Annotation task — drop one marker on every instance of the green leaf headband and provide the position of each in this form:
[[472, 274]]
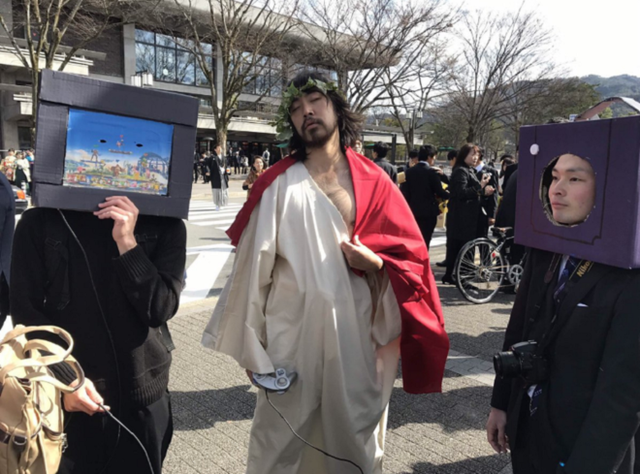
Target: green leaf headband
[[282, 124]]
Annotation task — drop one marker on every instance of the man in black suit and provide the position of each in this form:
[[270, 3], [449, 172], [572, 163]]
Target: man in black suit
[[489, 203], [421, 188], [580, 414], [380, 151]]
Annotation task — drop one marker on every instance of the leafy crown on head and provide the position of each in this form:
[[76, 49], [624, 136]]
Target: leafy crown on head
[[282, 124]]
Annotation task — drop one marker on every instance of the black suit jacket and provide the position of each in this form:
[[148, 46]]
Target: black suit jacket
[[590, 406], [217, 176], [506, 215], [421, 188], [508, 173]]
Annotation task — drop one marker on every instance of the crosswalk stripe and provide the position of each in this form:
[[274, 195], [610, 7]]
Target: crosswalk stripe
[[207, 205], [438, 241], [211, 215], [216, 222], [203, 272]]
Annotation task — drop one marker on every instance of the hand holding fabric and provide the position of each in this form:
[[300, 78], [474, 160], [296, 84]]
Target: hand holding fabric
[[125, 215], [360, 257]]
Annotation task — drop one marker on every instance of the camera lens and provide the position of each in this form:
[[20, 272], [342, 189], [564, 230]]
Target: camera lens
[[506, 364]]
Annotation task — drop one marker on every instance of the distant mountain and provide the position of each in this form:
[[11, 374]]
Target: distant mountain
[[625, 85]]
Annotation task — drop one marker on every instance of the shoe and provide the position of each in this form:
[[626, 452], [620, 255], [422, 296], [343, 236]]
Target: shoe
[[217, 208], [441, 264], [447, 280]]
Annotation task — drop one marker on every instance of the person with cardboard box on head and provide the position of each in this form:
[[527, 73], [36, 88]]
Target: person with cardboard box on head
[[103, 256], [566, 398]]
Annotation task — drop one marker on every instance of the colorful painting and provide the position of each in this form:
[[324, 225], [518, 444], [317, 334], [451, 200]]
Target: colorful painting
[[119, 153]]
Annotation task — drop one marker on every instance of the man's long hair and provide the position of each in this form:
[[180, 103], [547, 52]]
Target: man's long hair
[[349, 122]]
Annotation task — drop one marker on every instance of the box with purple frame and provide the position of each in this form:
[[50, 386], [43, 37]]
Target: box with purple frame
[[611, 233]]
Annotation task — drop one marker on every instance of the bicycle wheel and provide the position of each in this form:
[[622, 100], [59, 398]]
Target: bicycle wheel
[[480, 269]]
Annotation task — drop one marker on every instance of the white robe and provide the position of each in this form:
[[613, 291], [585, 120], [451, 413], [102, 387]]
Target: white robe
[[292, 302]]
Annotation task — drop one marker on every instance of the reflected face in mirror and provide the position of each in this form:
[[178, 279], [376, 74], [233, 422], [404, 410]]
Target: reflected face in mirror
[[572, 190]]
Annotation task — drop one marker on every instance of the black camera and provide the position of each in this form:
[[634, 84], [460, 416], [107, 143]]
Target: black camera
[[522, 361]]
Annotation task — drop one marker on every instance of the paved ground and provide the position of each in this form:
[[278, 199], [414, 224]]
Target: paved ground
[[444, 433]]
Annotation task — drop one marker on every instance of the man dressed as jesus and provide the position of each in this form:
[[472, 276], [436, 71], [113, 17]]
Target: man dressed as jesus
[[331, 281]]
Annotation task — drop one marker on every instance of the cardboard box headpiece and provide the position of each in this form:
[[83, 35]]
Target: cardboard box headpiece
[[611, 232], [96, 139]]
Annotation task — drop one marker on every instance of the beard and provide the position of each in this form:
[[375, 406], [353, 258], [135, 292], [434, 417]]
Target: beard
[[318, 136]]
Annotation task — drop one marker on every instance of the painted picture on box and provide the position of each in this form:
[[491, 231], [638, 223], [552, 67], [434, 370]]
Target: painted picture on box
[[119, 153]]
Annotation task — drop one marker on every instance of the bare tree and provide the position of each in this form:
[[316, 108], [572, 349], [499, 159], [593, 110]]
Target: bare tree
[[372, 44], [251, 37], [501, 58], [47, 34], [409, 99], [547, 99]]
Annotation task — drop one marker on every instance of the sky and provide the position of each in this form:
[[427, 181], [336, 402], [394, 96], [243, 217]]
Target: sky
[[592, 37]]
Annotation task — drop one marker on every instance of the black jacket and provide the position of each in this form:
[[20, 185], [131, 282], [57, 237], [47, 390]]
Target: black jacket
[[388, 168], [139, 292], [508, 173], [421, 188], [506, 215], [464, 204], [590, 405], [215, 164]]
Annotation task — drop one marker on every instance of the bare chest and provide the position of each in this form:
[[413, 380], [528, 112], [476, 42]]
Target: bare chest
[[339, 189]]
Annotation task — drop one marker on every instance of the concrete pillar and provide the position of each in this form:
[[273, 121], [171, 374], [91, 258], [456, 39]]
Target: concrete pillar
[[9, 130], [129, 41]]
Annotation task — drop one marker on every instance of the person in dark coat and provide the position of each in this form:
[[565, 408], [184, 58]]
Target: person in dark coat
[[7, 224], [380, 151], [508, 173], [219, 178], [420, 189], [465, 205], [113, 289], [582, 414], [506, 218]]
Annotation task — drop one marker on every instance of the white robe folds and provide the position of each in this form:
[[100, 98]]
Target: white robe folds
[[292, 302]]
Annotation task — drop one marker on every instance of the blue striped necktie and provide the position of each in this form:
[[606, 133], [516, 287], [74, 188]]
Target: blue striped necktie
[[568, 270]]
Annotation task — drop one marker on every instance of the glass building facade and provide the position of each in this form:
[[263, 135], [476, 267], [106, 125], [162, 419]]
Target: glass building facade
[[169, 59]]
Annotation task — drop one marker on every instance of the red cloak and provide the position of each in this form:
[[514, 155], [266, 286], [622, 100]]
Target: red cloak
[[386, 225]]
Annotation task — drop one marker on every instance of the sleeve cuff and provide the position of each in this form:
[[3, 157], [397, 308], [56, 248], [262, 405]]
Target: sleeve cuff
[[63, 372], [134, 265]]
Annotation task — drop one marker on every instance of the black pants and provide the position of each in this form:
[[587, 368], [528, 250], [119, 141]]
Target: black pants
[[427, 224], [92, 441]]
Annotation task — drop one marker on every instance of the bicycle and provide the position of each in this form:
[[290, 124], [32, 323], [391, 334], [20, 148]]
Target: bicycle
[[483, 266]]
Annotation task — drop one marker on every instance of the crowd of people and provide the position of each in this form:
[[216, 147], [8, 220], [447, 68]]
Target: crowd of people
[[17, 166], [470, 194]]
